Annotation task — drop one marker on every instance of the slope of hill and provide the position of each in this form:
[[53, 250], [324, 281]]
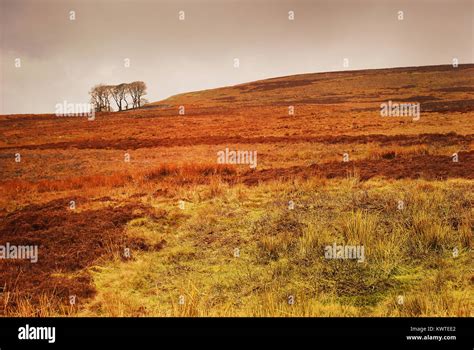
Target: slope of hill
[[422, 84]]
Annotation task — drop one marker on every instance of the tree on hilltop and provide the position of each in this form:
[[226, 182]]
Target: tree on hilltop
[[101, 95]]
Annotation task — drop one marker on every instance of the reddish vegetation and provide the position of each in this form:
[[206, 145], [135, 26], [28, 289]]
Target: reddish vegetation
[[67, 241], [185, 174], [132, 144], [334, 113], [414, 167]]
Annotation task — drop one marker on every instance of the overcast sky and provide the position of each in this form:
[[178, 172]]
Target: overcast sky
[[61, 59]]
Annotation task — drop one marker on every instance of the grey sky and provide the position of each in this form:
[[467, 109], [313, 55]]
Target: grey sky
[[62, 59]]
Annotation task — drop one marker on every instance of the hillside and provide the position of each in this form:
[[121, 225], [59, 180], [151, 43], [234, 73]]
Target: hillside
[[149, 180]]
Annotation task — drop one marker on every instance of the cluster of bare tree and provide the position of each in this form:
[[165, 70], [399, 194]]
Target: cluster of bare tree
[[123, 95]]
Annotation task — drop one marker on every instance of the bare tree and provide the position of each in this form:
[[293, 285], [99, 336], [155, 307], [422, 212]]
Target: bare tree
[[126, 88], [141, 92], [118, 93], [137, 90], [100, 95], [106, 93], [95, 98]]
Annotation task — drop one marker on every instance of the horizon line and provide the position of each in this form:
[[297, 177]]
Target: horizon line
[[460, 65]]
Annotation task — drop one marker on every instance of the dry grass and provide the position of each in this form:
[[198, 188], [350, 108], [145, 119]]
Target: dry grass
[[281, 255]]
